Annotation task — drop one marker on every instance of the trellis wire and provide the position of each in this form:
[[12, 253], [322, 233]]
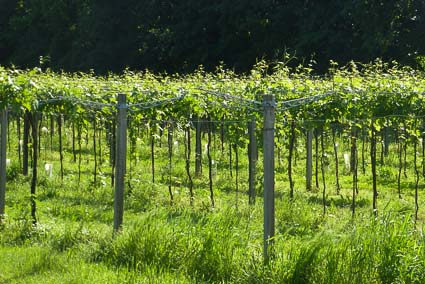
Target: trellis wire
[[240, 102]]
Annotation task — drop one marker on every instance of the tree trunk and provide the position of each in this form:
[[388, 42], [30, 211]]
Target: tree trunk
[[153, 155], [60, 144], [210, 165], [309, 159], [316, 140], [335, 146], [400, 166], [423, 148], [279, 151], [39, 125], [252, 157], [222, 135], [363, 153], [188, 151], [99, 144], [230, 160], [236, 173], [290, 154], [386, 140], [373, 162], [198, 149], [113, 150], [355, 168], [52, 132], [170, 155], [405, 158], [353, 147], [382, 161], [322, 165], [25, 149], [94, 152], [79, 130], [74, 153], [33, 197], [18, 130], [416, 180]]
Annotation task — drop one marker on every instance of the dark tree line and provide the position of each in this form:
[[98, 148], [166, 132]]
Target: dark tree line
[[172, 35]]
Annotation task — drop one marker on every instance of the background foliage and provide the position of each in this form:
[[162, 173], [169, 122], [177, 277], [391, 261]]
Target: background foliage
[[178, 36]]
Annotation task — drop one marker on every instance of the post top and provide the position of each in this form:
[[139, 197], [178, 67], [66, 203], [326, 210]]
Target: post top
[[269, 101], [268, 97], [122, 101]]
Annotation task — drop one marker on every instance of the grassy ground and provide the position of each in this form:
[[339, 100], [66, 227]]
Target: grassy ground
[[73, 241]]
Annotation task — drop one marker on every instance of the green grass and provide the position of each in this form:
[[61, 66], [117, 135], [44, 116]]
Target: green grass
[[43, 265], [73, 241]]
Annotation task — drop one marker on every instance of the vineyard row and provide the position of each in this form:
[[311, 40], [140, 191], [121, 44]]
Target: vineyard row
[[367, 104]]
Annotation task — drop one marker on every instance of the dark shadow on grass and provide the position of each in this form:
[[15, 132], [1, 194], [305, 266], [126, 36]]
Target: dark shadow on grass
[[339, 201], [69, 201]]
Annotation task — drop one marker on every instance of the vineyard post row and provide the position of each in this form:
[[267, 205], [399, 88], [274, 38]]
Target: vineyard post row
[[3, 125], [269, 223], [269, 107]]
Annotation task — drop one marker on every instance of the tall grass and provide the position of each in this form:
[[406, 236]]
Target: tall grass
[[190, 245], [182, 243]]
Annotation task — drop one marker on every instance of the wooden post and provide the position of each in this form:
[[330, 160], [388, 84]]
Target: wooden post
[[121, 159], [59, 119], [210, 163], [170, 156], [309, 160], [269, 105], [373, 164], [25, 149], [3, 139], [198, 149], [34, 127], [252, 153]]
